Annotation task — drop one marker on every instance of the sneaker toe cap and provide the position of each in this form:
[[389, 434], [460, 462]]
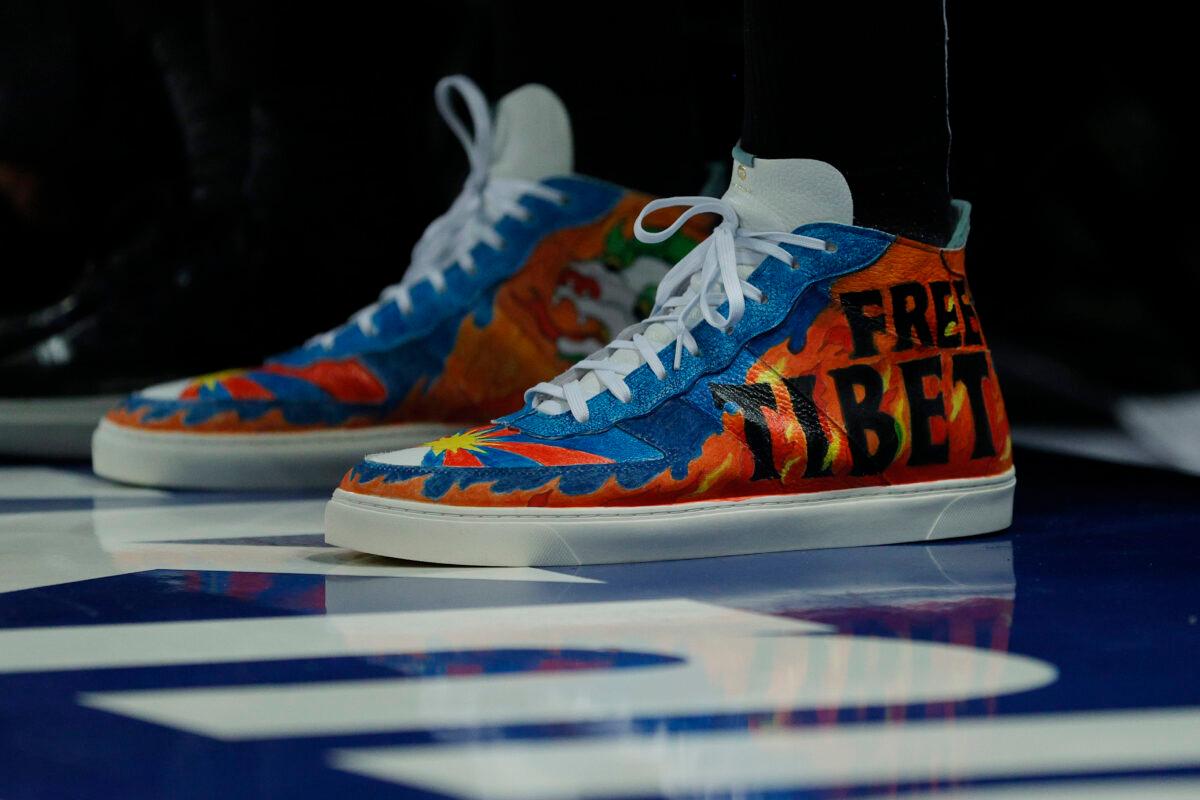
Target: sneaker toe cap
[[498, 466], [249, 401]]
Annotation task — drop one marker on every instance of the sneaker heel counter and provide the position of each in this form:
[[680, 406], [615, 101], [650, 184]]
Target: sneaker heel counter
[[915, 334], [973, 334]]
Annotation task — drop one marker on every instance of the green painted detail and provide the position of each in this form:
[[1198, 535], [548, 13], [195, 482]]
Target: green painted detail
[[645, 302], [620, 252], [571, 358]]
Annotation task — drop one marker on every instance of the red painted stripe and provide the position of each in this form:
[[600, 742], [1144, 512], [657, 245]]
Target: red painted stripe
[[241, 388], [347, 380], [550, 456], [460, 458]]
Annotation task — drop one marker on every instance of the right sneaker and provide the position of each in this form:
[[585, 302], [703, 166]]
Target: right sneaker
[[802, 382], [531, 269]]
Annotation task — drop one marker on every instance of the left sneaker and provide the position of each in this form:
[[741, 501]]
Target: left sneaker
[[532, 268], [801, 383]]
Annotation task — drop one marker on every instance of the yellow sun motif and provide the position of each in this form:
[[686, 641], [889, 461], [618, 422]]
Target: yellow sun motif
[[467, 440], [211, 380]]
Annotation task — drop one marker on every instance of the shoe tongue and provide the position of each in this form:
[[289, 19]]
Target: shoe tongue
[[532, 135], [781, 194], [772, 195]]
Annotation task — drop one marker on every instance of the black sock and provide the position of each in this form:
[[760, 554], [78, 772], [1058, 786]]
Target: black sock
[[863, 87]]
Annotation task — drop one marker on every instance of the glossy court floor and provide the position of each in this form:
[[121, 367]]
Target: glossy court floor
[[170, 645]]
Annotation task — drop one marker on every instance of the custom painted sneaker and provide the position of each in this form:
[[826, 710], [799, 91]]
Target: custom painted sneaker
[[801, 383], [530, 269]]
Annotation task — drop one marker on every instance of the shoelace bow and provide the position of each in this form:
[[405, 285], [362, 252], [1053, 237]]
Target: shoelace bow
[[701, 282], [471, 218]]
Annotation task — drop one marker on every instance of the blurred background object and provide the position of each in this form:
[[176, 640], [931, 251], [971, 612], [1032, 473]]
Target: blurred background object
[[1071, 139], [205, 167], [191, 187]]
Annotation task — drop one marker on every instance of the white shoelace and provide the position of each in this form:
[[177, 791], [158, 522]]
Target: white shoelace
[[691, 293], [471, 218]]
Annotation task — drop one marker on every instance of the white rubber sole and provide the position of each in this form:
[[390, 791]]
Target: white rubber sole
[[51, 427], [306, 460], [446, 534]]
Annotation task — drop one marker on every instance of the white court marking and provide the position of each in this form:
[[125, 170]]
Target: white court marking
[[732, 662], [47, 548], [18, 483], [738, 762], [227, 640]]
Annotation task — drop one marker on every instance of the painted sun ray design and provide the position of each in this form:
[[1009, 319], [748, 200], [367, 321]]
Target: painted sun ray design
[[485, 445]]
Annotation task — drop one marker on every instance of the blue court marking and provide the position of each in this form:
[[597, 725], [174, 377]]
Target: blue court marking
[[163, 596], [31, 689], [28, 505]]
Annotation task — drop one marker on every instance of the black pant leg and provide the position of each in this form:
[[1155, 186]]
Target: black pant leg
[[863, 87]]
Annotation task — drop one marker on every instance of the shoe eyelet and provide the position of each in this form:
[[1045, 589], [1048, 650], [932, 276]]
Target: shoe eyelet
[[831, 247]]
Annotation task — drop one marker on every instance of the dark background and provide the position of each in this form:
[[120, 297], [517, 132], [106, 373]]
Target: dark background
[[300, 149]]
